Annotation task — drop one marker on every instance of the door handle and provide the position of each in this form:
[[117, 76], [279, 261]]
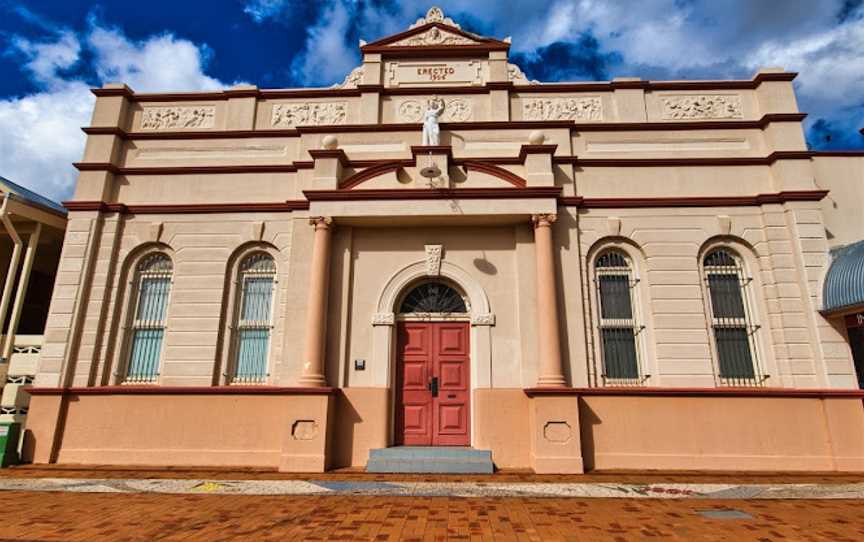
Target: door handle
[[433, 386]]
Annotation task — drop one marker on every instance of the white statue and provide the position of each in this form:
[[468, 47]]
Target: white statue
[[431, 131]]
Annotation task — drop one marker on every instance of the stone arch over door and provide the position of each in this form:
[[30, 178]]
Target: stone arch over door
[[384, 319]]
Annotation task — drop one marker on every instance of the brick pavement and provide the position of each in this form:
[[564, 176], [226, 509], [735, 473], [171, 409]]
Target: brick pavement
[[70, 517]]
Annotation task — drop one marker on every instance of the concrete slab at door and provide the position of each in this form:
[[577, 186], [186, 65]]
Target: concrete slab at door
[[433, 384]]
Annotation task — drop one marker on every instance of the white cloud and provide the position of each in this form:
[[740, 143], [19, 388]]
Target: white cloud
[[45, 127], [260, 10], [327, 58]]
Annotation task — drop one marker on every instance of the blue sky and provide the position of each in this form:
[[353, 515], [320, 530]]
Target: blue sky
[[53, 51]]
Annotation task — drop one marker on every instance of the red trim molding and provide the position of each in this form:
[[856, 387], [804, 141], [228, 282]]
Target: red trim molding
[[370, 173], [700, 392], [184, 170], [695, 201], [495, 171], [189, 208], [666, 162], [433, 194], [432, 149], [182, 390]]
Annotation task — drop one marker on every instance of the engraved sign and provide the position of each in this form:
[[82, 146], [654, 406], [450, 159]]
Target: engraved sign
[[448, 73]]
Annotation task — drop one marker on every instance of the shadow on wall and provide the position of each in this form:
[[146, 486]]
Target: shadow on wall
[[342, 443], [587, 420]]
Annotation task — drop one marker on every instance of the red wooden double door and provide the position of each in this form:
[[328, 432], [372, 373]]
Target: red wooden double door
[[433, 384]]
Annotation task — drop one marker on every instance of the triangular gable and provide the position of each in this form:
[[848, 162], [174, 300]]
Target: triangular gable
[[434, 30]]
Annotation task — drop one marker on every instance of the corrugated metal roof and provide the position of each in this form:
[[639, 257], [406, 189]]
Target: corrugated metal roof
[[30, 196], [844, 284]]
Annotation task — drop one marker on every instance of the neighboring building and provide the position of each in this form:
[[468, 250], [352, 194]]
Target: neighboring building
[[622, 274], [32, 234]]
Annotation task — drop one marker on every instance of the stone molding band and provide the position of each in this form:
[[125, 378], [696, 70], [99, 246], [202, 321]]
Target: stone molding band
[[816, 393], [184, 390], [431, 194], [480, 125]]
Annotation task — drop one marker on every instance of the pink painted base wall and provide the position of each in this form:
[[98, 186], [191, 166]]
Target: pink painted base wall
[[722, 433], [286, 432]]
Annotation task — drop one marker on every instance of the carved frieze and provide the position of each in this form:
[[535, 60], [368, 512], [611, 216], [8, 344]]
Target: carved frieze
[[702, 106], [455, 110], [352, 79], [582, 109], [168, 118], [433, 36], [309, 114]]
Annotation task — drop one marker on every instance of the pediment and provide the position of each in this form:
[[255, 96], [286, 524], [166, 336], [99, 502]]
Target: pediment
[[434, 36], [434, 30]]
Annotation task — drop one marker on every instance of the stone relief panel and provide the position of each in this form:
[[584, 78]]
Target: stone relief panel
[[582, 109], [167, 118], [702, 106], [518, 77], [455, 110], [433, 36], [434, 253], [352, 79], [309, 114]]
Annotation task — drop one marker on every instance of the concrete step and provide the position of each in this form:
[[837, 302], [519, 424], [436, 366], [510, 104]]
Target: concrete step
[[421, 459]]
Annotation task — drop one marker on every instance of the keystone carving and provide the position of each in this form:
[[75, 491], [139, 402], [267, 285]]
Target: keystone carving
[[584, 109], [433, 259], [309, 114], [703, 106], [166, 118]]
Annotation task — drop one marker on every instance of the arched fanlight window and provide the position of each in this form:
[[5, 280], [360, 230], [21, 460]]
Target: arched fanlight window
[[433, 297], [731, 321], [618, 325], [152, 286], [254, 318]]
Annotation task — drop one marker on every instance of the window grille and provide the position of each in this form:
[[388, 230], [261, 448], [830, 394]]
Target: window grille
[[254, 319], [153, 285], [433, 297], [618, 327], [731, 322]]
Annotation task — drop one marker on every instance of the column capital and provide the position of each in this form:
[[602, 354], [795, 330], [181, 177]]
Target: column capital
[[321, 222], [544, 220]]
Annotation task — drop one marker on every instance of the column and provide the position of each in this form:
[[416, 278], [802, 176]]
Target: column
[[313, 354], [550, 371], [21, 294]]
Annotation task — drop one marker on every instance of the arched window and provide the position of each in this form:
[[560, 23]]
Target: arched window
[[151, 289], [433, 297], [618, 325], [731, 322], [254, 318]]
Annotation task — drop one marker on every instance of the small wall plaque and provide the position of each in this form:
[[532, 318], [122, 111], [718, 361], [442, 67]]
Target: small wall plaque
[[359, 364]]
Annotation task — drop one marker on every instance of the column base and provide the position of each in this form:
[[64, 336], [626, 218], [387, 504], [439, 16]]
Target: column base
[[313, 381], [551, 381]]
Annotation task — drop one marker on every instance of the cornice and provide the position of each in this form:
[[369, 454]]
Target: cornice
[[433, 194], [693, 201], [447, 51], [188, 208]]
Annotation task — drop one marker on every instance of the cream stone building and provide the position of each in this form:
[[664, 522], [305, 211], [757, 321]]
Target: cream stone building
[[594, 275]]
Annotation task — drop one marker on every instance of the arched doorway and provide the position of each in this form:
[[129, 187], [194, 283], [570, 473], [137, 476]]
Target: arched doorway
[[433, 387]]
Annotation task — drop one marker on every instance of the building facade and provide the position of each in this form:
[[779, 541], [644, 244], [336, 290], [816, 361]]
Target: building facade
[[623, 274]]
